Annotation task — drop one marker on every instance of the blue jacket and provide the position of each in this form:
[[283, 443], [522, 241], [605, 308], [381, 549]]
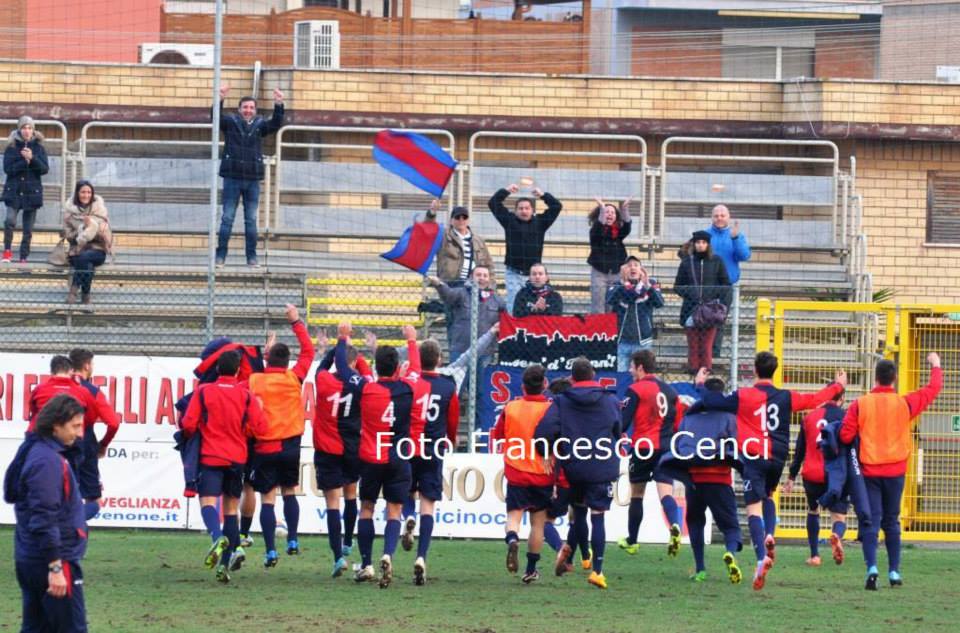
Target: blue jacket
[[23, 189], [634, 308], [718, 427], [844, 477], [589, 413], [731, 250], [47, 503], [243, 143]]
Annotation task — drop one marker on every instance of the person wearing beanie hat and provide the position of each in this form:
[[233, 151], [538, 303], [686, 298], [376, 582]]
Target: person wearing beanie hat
[[24, 162], [701, 278]]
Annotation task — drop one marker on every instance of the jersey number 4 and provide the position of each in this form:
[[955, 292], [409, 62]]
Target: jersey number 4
[[388, 416]]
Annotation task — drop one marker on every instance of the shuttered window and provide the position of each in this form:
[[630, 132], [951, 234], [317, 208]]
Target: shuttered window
[[943, 207]]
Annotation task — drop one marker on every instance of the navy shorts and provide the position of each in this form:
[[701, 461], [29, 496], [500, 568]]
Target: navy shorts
[[43, 612], [559, 503], [722, 502], [760, 479], [814, 491], [335, 471], [642, 471], [392, 478], [427, 477], [88, 471], [276, 469], [220, 480], [248, 467], [596, 496], [530, 498]]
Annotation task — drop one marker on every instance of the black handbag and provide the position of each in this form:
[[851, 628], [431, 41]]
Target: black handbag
[[708, 314]]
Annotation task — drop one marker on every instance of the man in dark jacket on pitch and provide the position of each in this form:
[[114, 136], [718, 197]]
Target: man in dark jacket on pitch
[[51, 533], [524, 231], [580, 429], [241, 168]]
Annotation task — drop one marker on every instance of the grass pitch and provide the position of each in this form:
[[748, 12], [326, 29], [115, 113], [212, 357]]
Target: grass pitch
[[144, 581]]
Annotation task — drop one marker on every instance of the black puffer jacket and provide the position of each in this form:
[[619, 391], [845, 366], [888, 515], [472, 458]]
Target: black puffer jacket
[[524, 239], [23, 189], [700, 279], [243, 143], [607, 252]]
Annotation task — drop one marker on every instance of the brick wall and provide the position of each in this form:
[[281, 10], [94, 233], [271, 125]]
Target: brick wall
[[892, 173], [893, 180]]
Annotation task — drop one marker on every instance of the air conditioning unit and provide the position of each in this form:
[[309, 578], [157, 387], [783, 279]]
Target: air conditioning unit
[[170, 53], [949, 74], [316, 44]]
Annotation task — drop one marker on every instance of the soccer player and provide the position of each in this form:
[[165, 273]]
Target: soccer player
[[226, 415], [652, 412], [336, 441], [529, 481], [61, 381], [711, 487], [88, 475], [586, 415], [440, 410], [446, 411], [763, 430], [276, 451], [387, 415], [807, 454], [883, 421]]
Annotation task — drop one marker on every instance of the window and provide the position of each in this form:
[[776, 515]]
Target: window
[[943, 207], [763, 54], [317, 44]]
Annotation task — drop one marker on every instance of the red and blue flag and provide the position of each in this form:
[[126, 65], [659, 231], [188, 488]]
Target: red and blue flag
[[415, 158], [417, 246]]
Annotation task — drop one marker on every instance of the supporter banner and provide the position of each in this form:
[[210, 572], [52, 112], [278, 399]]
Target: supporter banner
[[499, 384], [554, 341]]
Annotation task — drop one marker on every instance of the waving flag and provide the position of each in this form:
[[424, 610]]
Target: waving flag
[[415, 158], [417, 246]]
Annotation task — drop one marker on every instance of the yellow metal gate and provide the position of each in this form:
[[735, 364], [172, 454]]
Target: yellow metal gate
[[813, 339]]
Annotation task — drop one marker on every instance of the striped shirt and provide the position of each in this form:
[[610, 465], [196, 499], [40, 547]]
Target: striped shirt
[[466, 268]]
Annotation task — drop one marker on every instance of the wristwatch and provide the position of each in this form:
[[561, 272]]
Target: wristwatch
[[56, 568]]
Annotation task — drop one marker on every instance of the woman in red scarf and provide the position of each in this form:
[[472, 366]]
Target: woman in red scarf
[[609, 225]]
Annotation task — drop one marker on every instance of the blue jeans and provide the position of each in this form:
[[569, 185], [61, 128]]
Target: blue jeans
[[515, 282], [626, 350], [233, 189], [83, 266]]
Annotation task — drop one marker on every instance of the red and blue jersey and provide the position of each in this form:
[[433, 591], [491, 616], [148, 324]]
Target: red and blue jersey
[[806, 452], [763, 415], [336, 422], [388, 413], [442, 411], [651, 411], [57, 385]]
